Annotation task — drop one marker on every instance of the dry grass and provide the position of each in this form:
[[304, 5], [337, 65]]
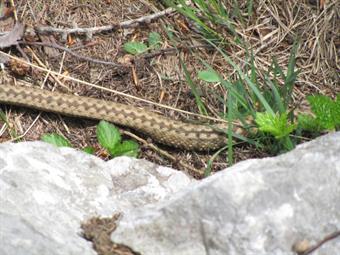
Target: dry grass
[[270, 33]]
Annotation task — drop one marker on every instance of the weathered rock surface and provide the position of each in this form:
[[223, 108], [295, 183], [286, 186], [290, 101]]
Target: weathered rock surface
[[255, 207], [46, 192]]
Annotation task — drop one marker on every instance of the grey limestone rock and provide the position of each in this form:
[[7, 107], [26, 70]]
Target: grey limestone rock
[[46, 192], [260, 206]]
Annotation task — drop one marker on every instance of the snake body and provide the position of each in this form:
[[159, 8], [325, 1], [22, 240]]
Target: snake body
[[164, 130]]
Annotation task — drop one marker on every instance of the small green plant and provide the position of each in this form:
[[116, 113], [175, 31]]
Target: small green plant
[[327, 114], [136, 48], [108, 137], [277, 125]]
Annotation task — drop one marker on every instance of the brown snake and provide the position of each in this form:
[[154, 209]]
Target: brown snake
[[164, 130]]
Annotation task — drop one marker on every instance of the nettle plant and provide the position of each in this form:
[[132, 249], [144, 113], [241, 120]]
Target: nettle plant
[[108, 137]]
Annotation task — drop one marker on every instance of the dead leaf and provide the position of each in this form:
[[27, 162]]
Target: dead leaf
[[70, 40], [12, 37], [18, 67]]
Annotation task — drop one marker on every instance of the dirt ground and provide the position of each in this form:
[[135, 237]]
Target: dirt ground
[[158, 78]]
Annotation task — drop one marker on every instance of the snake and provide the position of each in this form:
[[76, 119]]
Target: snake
[[164, 130]]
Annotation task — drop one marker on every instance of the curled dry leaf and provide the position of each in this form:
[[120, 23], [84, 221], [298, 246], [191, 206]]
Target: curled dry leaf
[[13, 36], [18, 68]]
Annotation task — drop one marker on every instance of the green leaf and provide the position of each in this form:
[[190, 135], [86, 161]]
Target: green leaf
[[56, 140], [277, 125], [155, 40], [135, 48], [89, 150], [126, 148], [108, 135], [208, 76]]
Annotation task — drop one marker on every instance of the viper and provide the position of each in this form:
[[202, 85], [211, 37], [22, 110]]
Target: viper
[[164, 130]]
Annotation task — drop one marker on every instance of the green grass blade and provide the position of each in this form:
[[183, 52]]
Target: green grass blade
[[244, 77], [193, 88], [207, 170], [237, 11], [190, 13], [276, 95], [230, 129], [238, 97], [250, 6], [247, 105], [291, 74]]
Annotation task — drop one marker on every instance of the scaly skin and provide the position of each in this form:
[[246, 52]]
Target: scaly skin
[[163, 130]]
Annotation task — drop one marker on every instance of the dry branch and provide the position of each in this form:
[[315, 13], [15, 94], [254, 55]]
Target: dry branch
[[89, 31]]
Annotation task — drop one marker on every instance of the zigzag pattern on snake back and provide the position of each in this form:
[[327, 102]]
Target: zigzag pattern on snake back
[[163, 130]]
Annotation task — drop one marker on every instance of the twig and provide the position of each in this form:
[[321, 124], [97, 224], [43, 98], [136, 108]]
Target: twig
[[89, 31], [88, 59], [164, 153], [326, 239]]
